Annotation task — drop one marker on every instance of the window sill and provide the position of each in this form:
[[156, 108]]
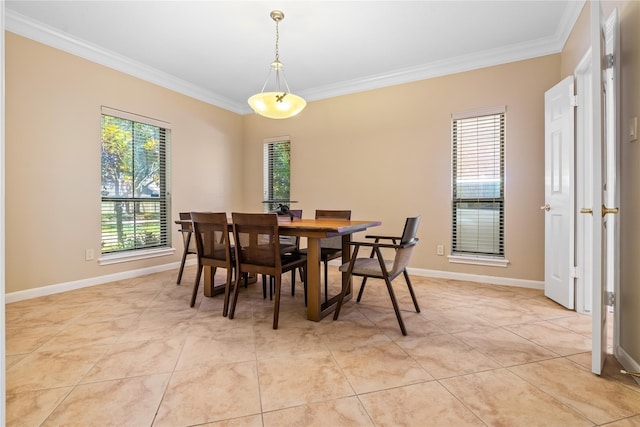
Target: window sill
[[478, 260], [116, 258]]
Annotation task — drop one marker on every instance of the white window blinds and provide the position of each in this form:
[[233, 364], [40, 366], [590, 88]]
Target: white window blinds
[[276, 172], [478, 141], [134, 193]]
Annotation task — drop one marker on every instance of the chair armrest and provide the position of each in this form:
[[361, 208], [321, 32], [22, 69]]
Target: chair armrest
[[375, 245], [384, 245], [374, 236]]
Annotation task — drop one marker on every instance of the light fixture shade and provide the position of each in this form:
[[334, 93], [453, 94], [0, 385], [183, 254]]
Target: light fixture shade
[[277, 105]]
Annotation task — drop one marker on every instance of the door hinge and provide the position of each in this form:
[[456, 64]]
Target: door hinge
[[574, 273], [608, 61], [609, 298], [573, 100]]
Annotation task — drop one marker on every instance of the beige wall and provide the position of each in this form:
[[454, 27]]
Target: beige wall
[[386, 154], [52, 139]]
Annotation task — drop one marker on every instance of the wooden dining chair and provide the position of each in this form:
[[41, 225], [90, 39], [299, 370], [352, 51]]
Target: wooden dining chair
[[186, 229], [211, 231], [330, 247], [257, 250], [376, 266]]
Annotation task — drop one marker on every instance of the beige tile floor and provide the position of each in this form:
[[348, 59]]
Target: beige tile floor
[[133, 353]]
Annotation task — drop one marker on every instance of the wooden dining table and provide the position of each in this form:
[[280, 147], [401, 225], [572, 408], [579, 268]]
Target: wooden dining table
[[313, 230]]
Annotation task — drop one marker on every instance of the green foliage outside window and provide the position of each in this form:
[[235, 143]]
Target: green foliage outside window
[[133, 202]]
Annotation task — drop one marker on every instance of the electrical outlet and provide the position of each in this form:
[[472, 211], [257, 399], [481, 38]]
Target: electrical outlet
[[440, 250], [88, 255]]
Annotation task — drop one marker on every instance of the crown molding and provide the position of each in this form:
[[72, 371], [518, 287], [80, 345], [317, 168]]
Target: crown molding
[[26, 27], [42, 33], [449, 66], [474, 61]]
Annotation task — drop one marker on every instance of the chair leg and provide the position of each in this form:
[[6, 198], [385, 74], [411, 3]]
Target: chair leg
[[184, 259], [413, 295], [264, 287], [395, 306], [227, 290], [304, 283], [364, 281], [195, 285], [276, 306], [293, 282], [271, 278], [345, 284], [236, 288]]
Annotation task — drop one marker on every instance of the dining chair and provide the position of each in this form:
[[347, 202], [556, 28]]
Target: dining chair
[[288, 245], [257, 250], [186, 229], [211, 230], [330, 247], [375, 266]]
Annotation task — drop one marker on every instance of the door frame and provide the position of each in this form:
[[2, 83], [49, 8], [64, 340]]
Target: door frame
[[584, 187], [612, 147]]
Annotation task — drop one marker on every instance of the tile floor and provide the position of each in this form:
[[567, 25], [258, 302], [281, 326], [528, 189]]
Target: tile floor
[[133, 353]]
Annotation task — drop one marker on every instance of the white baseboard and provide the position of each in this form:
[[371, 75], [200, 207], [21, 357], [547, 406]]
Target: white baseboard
[[91, 281], [491, 280], [627, 362]]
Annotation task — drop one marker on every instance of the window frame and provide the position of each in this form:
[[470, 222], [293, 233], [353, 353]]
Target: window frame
[[479, 189], [269, 199], [163, 247]]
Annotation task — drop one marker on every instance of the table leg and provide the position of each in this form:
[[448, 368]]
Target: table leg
[[313, 279]]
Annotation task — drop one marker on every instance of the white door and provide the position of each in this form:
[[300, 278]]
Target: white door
[[611, 194], [559, 190], [605, 182]]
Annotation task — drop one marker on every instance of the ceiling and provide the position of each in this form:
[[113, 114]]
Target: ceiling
[[220, 51]]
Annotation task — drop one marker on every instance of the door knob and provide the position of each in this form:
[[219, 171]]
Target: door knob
[[606, 210], [546, 207], [586, 211]]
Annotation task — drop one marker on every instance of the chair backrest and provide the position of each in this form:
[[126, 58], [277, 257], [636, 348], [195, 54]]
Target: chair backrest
[[185, 216], [211, 231], [186, 228], [410, 229], [332, 242], [256, 241], [407, 243]]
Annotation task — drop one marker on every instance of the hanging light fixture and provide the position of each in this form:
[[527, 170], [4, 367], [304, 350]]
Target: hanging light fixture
[[280, 104]]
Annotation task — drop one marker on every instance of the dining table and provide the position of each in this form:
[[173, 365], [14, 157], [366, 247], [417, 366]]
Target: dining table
[[313, 230]]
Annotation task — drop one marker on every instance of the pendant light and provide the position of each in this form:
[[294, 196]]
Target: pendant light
[[280, 104]]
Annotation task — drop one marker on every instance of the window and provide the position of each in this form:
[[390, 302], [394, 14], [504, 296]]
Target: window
[[135, 211], [277, 172], [478, 140]]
